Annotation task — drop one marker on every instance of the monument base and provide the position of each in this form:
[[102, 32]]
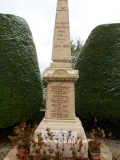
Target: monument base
[[68, 148], [62, 126]]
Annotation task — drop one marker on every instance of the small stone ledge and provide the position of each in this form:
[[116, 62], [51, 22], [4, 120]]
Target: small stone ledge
[[60, 79], [11, 155]]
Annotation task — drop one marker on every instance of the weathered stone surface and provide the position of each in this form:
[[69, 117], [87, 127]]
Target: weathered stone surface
[[61, 41], [20, 81], [60, 100]]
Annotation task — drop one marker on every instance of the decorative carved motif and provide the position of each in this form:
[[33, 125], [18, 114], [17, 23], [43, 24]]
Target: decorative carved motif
[[60, 73], [62, 7]]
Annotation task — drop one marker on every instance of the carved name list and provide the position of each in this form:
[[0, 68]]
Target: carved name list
[[60, 101]]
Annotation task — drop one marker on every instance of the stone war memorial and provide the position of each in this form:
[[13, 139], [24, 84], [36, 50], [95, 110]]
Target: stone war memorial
[[60, 115], [60, 99]]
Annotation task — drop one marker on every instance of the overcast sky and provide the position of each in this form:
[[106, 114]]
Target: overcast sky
[[84, 16]]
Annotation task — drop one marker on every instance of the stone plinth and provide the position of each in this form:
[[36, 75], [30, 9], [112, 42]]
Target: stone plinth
[[60, 99], [62, 125]]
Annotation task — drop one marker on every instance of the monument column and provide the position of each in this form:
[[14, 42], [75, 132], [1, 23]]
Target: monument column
[[60, 99], [60, 103], [61, 43]]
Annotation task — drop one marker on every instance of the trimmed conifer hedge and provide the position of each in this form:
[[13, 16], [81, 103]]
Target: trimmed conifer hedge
[[20, 80], [98, 88]]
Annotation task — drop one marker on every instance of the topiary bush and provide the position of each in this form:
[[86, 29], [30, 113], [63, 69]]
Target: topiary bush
[[98, 88], [20, 80]]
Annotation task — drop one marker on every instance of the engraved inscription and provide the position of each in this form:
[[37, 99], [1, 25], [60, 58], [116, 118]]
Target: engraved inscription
[[60, 101], [61, 41], [61, 35]]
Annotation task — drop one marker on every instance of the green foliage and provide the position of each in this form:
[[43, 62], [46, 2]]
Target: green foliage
[[20, 81], [44, 84], [76, 48], [98, 88]]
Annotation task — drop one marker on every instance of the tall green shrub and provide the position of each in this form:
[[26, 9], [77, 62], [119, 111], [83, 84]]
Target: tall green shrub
[[98, 88], [20, 80]]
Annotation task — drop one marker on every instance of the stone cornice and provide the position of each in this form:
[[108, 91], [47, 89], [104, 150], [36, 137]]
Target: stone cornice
[[61, 75]]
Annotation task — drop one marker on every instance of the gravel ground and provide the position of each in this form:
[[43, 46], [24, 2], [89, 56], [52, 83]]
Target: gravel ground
[[4, 149], [114, 146]]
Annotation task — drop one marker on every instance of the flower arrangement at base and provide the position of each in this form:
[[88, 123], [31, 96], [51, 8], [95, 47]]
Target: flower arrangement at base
[[22, 138], [46, 147], [49, 146], [97, 140]]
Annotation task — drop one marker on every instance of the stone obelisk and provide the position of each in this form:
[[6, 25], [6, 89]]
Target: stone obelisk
[[60, 100]]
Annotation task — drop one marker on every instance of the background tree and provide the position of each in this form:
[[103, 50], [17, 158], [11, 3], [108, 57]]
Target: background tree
[[98, 88], [44, 85], [20, 81], [76, 48]]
